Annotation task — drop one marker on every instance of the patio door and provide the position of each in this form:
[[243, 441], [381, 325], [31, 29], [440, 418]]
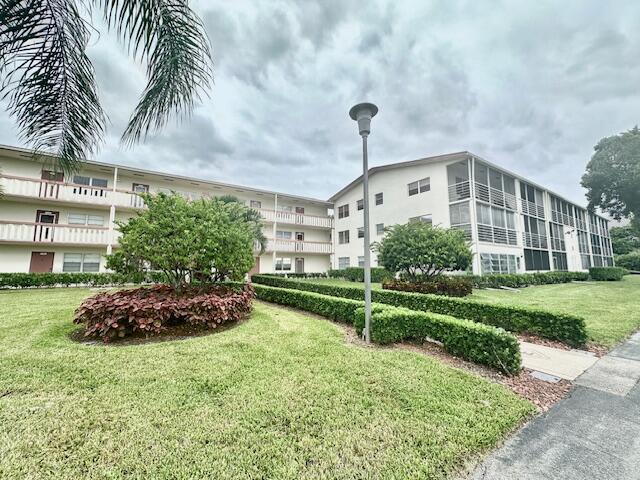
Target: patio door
[[44, 229], [41, 262], [50, 185], [299, 265], [299, 241]]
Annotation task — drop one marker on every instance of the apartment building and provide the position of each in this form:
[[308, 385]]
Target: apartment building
[[53, 223], [513, 225]]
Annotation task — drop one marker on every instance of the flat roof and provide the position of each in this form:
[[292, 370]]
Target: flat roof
[[29, 155]]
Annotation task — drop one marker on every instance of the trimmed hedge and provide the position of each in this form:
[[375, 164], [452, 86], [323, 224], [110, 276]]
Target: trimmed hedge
[[518, 280], [30, 280], [356, 274], [473, 341], [610, 274], [452, 286], [630, 261], [298, 275], [570, 329], [150, 310]]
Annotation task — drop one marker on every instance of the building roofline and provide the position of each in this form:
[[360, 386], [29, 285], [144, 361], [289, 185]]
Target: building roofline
[[21, 152]]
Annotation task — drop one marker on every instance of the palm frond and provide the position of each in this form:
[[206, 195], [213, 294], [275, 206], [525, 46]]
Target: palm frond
[[170, 37], [48, 78]]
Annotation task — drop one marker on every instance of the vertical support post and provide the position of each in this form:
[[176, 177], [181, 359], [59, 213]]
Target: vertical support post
[[275, 229], [367, 245], [475, 245], [112, 212]]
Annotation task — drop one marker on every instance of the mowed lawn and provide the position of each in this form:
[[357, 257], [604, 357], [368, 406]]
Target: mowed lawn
[[611, 309], [281, 395]]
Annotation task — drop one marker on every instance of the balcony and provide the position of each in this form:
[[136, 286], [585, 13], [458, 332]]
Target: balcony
[[68, 192], [294, 246], [50, 233], [533, 240], [495, 196], [459, 191], [532, 209], [291, 218]]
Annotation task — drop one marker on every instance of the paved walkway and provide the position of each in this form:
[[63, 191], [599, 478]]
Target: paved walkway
[[592, 434], [567, 364]]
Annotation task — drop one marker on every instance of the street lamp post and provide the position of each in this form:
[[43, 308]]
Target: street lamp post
[[363, 113]]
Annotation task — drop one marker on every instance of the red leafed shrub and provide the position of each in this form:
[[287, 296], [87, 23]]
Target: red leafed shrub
[[151, 310]]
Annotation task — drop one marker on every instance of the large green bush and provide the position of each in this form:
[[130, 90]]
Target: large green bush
[[608, 274], [570, 329], [519, 280], [356, 274], [452, 286], [630, 261], [30, 280], [472, 341]]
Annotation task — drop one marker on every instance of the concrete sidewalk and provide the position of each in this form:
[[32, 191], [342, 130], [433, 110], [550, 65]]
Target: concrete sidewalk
[[567, 364], [592, 434]]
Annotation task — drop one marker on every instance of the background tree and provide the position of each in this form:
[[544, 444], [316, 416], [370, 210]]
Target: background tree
[[253, 217], [420, 249], [625, 239], [612, 178], [49, 79], [205, 239]]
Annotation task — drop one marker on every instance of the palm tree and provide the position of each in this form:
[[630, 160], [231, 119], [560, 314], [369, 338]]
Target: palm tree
[[49, 80], [251, 216]]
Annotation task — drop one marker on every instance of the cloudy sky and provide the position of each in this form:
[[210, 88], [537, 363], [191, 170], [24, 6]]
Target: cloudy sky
[[531, 86]]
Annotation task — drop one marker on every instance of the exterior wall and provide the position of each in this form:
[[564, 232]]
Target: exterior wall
[[17, 258]]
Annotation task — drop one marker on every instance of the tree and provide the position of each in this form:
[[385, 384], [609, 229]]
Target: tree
[[612, 178], [420, 249], [49, 79], [206, 239], [253, 217], [625, 239]]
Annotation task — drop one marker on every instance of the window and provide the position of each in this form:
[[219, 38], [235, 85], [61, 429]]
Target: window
[[379, 198], [89, 181], [343, 237], [78, 262], [361, 232], [83, 219], [360, 204], [97, 220], [536, 259], [420, 186], [361, 261], [283, 235], [343, 211], [343, 262], [255, 204], [559, 261], [283, 264], [422, 218], [379, 228], [498, 263], [459, 214]]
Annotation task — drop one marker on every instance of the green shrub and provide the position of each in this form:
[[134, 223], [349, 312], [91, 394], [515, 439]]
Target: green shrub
[[519, 280], [30, 280], [556, 326], [607, 273], [630, 261], [452, 286], [298, 275], [356, 274], [475, 342], [479, 343]]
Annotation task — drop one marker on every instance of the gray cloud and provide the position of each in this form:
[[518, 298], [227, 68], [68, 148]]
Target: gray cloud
[[531, 87]]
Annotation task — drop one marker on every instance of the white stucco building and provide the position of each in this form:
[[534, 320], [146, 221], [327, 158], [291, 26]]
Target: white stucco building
[[49, 223], [513, 224], [52, 223]]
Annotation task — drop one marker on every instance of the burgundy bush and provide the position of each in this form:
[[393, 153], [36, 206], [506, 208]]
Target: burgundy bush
[[151, 310], [453, 286]]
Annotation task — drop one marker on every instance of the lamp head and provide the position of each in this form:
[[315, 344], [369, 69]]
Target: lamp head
[[363, 113]]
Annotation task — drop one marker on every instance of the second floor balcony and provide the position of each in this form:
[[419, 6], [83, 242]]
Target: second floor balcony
[[53, 233]]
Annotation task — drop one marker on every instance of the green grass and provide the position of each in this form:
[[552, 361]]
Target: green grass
[[281, 395], [611, 309]]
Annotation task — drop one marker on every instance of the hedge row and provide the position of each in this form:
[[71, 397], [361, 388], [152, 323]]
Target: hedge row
[[452, 286], [298, 275], [556, 326], [607, 273], [518, 280], [472, 341], [630, 261], [356, 274], [29, 280]]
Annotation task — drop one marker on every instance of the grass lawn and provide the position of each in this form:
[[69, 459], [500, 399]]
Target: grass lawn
[[281, 395], [611, 309]]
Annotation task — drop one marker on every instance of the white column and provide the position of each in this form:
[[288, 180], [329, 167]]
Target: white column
[[112, 212], [275, 228], [477, 267]]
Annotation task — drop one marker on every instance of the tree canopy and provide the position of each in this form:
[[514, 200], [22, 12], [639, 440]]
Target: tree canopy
[[625, 239], [207, 239], [612, 178], [420, 249], [49, 80]]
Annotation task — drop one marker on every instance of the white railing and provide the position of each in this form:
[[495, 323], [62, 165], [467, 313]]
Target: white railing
[[53, 233], [495, 196], [533, 209], [296, 218], [459, 191], [281, 245], [464, 227], [68, 192], [533, 240], [500, 235]]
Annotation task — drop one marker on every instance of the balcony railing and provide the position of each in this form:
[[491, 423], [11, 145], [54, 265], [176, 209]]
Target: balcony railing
[[499, 235], [459, 191], [293, 218], [532, 209], [495, 196], [533, 240], [563, 218], [68, 192], [295, 246], [53, 233]]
